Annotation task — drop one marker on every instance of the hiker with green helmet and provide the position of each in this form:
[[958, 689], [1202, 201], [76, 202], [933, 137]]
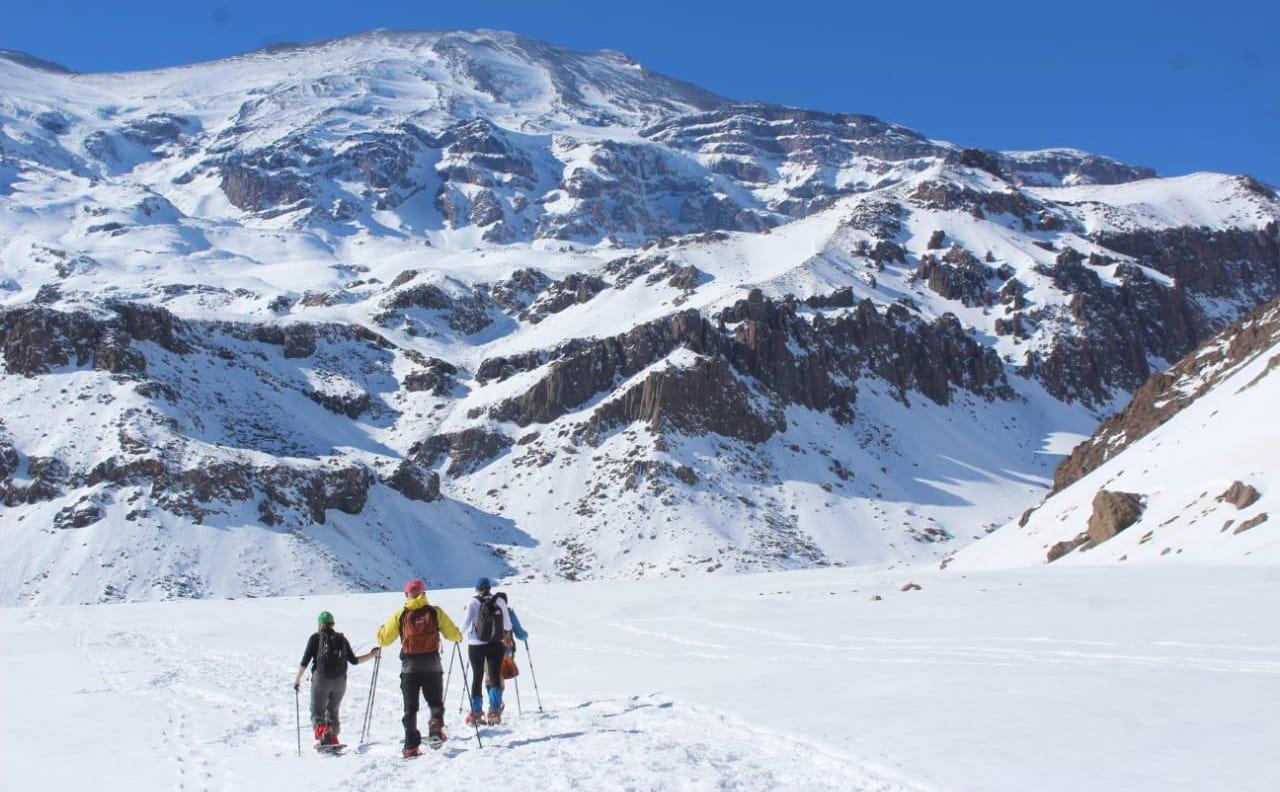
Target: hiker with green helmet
[[328, 653]]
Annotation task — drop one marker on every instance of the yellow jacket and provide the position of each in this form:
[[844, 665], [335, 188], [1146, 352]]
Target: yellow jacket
[[389, 632]]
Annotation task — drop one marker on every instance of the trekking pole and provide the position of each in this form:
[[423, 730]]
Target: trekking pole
[[368, 705], [466, 692], [533, 673], [297, 718], [466, 688], [449, 677], [519, 706]]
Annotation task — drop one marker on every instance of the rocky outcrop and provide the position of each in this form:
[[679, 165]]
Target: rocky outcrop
[[707, 397], [571, 290], [36, 340], [467, 314], [793, 359], [959, 276], [1252, 522], [414, 483], [1240, 495], [1167, 393], [1112, 513], [467, 450], [435, 377]]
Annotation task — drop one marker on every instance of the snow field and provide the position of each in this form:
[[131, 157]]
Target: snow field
[[1051, 679]]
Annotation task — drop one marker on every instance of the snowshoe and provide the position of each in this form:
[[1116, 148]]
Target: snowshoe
[[495, 716], [332, 749], [436, 735]]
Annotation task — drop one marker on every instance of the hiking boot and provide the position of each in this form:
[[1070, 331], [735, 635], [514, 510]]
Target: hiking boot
[[409, 753], [322, 731], [495, 716], [475, 718], [330, 738], [435, 733]]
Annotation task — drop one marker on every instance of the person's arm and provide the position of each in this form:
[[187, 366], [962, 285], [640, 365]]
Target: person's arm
[[469, 615], [516, 627], [389, 632], [355, 659], [447, 628], [307, 656]]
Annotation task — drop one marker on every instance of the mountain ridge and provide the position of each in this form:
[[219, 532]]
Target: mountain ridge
[[313, 324]]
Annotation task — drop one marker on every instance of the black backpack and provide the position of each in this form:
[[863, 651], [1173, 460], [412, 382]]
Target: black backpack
[[489, 623], [331, 654]]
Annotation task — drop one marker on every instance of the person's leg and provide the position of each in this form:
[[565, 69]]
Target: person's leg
[[337, 689], [433, 692], [493, 669], [476, 655], [318, 702], [409, 686]]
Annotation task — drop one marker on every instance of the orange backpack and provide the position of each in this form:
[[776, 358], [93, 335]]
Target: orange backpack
[[419, 631]]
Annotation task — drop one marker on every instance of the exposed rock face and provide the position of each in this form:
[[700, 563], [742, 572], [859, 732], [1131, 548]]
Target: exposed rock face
[[1252, 522], [958, 276], [1066, 546], [1168, 392], [467, 450], [571, 290], [37, 340], [1240, 495], [706, 397], [1112, 513], [415, 483], [436, 378], [795, 360]]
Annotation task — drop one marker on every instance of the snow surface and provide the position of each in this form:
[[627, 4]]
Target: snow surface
[[1062, 678], [1229, 433]]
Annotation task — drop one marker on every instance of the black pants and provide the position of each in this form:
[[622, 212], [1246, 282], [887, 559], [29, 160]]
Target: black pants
[[485, 658], [428, 684]]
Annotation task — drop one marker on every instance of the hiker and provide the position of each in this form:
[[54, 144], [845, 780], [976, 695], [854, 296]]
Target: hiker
[[328, 653], [419, 625], [517, 631], [487, 626]]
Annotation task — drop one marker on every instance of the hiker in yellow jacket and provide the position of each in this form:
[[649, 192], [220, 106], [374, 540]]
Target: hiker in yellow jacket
[[419, 626]]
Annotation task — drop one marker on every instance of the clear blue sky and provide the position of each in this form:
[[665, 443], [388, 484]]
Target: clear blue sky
[[1175, 85]]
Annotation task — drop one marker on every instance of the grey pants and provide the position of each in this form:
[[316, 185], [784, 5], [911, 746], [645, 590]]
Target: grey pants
[[326, 698]]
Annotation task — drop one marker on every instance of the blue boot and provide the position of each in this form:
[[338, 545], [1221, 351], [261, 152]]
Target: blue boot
[[495, 706], [476, 715]]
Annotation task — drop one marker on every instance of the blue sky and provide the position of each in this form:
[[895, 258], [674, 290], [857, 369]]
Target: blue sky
[[1174, 85]]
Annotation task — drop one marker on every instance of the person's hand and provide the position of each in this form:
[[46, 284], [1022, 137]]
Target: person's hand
[[296, 684], [377, 651]]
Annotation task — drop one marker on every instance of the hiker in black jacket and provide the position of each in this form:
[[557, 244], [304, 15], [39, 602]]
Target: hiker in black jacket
[[328, 653]]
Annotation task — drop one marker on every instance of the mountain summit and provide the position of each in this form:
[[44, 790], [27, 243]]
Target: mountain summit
[[332, 314]]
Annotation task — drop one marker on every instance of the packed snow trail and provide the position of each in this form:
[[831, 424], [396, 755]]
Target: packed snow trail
[[1040, 679]]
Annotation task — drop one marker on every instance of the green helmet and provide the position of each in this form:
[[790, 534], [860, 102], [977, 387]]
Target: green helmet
[[325, 617]]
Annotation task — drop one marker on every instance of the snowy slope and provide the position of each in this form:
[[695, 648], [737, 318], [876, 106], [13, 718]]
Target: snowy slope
[[1227, 432], [314, 316], [1051, 679]]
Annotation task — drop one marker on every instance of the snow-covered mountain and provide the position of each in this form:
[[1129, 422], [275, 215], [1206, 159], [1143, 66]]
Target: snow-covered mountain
[[323, 316], [1186, 472]]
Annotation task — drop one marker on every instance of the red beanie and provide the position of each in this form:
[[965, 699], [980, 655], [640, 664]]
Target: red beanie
[[414, 587]]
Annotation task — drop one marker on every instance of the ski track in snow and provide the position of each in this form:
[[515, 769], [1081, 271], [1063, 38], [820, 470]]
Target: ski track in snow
[[780, 681], [649, 742]]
